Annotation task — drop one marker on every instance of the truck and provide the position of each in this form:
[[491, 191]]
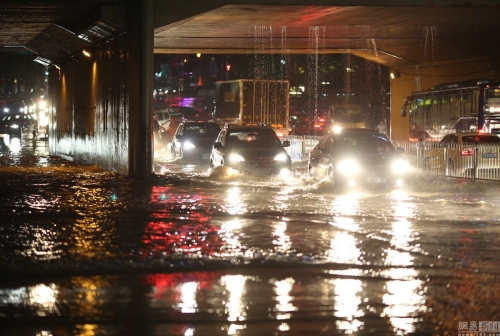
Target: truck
[[253, 102]]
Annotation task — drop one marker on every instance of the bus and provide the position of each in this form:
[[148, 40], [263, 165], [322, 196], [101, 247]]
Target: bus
[[466, 106]]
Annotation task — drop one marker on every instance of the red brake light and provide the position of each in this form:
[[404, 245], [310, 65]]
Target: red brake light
[[467, 152]]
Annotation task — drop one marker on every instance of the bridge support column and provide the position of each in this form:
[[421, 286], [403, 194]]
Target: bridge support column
[[140, 86]]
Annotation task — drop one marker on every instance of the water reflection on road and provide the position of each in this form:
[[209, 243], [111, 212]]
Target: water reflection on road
[[194, 252]]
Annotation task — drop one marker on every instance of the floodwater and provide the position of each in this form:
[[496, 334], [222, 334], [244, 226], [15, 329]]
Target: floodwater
[[190, 252]]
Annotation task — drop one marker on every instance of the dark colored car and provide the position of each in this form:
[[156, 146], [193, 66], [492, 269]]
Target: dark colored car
[[358, 156], [251, 150], [18, 124], [193, 140], [189, 113], [14, 107]]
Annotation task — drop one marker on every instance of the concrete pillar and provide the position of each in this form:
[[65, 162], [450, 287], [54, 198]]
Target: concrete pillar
[[140, 86]]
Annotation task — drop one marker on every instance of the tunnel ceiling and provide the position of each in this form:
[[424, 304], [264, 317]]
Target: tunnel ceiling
[[398, 37]]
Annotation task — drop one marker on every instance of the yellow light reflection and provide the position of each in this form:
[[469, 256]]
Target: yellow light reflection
[[284, 303], [347, 301], [282, 242], [188, 302], [235, 308], [88, 330]]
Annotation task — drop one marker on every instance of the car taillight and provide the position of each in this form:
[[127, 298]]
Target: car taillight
[[467, 152], [317, 125]]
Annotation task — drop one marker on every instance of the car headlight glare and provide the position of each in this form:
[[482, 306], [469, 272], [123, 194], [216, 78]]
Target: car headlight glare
[[14, 126], [348, 167], [236, 158], [400, 166], [280, 157], [6, 109], [188, 145]]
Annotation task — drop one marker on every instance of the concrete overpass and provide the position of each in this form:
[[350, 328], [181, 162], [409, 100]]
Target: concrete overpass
[[101, 106]]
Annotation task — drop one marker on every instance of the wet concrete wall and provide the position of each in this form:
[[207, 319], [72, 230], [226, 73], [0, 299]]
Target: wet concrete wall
[[90, 107]]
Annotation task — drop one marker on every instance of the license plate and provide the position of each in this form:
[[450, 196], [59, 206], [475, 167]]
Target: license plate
[[489, 155], [205, 156], [376, 180]]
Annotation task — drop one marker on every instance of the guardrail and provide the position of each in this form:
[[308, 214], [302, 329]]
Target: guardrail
[[467, 161]]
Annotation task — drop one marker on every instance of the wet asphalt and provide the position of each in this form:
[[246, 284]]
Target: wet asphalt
[[192, 252]]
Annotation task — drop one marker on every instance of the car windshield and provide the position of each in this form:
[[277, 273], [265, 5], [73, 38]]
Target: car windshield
[[253, 139], [480, 139], [202, 129], [361, 143]]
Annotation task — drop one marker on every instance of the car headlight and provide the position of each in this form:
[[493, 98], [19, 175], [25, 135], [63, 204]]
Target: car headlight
[[14, 126], [280, 157], [400, 166], [236, 157], [348, 167], [187, 145]]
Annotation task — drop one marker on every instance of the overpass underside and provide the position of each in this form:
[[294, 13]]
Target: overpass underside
[[425, 45]]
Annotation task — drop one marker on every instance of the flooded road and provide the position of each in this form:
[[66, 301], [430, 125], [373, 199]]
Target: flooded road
[[193, 252]]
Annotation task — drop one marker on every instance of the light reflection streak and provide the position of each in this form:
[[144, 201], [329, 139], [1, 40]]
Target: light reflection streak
[[43, 243], [404, 296], [234, 202], [227, 235], [88, 330], [235, 308], [15, 145], [347, 301], [343, 249], [346, 204], [188, 297], [402, 302], [234, 328], [283, 243], [40, 298], [284, 303]]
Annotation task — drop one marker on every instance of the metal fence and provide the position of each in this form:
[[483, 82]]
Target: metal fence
[[464, 160], [467, 161]]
